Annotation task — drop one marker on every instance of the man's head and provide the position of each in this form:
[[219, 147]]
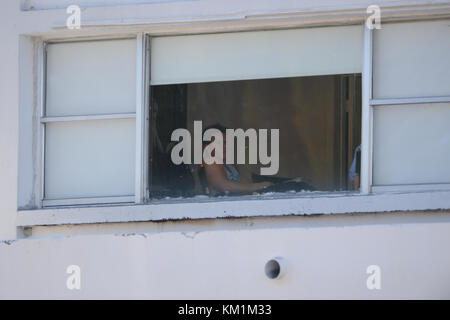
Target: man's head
[[217, 126], [223, 130]]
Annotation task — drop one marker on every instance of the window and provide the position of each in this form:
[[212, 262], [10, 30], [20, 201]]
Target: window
[[107, 113], [411, 105], [89, 125], [318, 118], [294, 80]]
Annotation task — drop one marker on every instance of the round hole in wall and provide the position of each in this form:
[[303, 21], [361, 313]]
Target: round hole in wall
[[272, 269]]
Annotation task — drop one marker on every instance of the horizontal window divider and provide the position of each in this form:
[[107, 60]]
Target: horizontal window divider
[[411, 187], [250, 206], [88, 201], [417, 100], [89, 117], [87, 38]]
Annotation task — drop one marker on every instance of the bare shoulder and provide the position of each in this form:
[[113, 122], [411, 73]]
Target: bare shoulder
[[215, 171]]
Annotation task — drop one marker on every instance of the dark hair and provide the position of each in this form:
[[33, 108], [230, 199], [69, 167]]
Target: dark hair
[[217, 126]]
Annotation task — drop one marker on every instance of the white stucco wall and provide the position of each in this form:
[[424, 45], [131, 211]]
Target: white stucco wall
[[321, 262], [327, 256], [9, 96]]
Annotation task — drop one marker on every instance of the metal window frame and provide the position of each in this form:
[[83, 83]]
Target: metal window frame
[[143, 42], [392, 103], [416, 100], [366, 113], [411, 187], [142, 65], [40, 139], [142, 116], [88, 201]]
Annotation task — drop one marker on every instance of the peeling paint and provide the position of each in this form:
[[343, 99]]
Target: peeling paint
[[8, 242], [131, 235], [190, 235]]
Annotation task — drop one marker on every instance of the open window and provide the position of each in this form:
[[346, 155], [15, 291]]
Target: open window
[[102, 127], [288, 80], [105, 139], [318, 118]]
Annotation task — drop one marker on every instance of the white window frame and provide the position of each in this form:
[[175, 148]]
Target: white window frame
[[373, 103], [140, 115], [368, 199]]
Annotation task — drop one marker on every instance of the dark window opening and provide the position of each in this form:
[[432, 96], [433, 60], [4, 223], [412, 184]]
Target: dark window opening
[[318, 117]]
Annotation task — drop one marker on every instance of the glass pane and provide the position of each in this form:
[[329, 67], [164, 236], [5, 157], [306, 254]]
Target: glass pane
[[319, 132], [411, 144], [256, 55], [91, 77], [90, 158], [412, 60]]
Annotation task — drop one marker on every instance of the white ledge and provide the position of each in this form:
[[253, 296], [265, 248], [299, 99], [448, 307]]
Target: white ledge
[[251, 206], [241, 19]]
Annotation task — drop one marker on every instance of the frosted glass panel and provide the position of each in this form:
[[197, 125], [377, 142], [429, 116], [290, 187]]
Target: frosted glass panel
[[411, 144], [412, 59], [256, 55], [91, 77], [90, 158]]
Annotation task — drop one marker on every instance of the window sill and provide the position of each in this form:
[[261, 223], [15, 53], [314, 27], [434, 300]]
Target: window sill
[[228, 207]]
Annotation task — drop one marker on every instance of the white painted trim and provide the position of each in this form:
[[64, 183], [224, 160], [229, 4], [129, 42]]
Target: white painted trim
[[40, 138], [366, 164], [86, 38], [89, 117], [238, 20], [366, 114], [87, 201], [42, 134], [411, 187], [140, 117], [146, 115], [400, 101], [43, 120], [249, 206]]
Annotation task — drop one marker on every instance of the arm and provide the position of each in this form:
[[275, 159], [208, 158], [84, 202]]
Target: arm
[[217, 179]]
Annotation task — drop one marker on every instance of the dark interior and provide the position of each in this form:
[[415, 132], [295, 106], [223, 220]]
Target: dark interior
[[319, 118]]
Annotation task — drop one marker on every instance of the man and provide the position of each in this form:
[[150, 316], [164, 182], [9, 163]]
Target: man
[[225, 177]]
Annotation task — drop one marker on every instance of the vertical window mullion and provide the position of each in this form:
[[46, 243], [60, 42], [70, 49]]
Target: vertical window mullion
[[367, 113], [146, 141], [141, 117], [40, 134]]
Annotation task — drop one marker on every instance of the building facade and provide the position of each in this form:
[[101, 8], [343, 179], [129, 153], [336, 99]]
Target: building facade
[[76, 216]]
